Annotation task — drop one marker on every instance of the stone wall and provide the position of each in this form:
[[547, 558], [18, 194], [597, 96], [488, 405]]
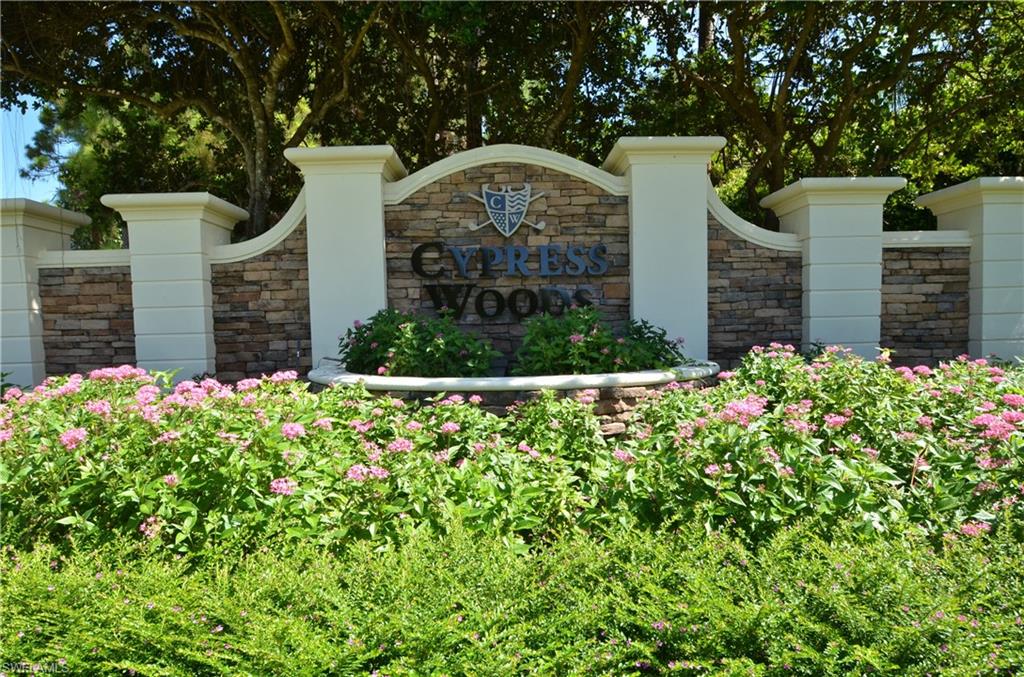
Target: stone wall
[[754, 295], [261, 311], [87, 318], [925, 303], [574, 212]]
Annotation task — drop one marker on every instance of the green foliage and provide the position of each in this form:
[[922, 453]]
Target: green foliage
[[393, 343], [577, 342], [84, 461], [839, 438], [94, 151], [930, 91], [633, 603]]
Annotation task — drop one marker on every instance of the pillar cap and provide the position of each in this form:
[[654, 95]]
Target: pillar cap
[[987, 189], [21, 211], [348, 160], [630, 150], [852, 190], [137, 207]]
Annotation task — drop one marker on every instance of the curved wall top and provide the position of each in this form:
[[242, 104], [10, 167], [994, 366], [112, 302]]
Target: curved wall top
[[747, 230], [397, 191], [238, 251]]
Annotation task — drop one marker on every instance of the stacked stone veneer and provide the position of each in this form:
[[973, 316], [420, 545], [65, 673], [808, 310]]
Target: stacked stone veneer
[[575, 212], [925, 303], [261, 311], [754, 295], [261, 305], [87, 318]]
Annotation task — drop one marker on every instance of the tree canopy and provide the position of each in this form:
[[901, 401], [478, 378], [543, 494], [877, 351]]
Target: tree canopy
[[207, 95]]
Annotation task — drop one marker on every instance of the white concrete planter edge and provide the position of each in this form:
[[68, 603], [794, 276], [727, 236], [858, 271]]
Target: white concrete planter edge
[[333, 373]]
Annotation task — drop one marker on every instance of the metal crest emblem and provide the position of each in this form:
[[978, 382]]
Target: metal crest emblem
[[507, 208]]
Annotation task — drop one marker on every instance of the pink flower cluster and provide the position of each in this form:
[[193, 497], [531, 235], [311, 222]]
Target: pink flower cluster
[[450, 428], [624, 456], [775, 349], [528, 450], [247, 384], [362, 473], [73, 437], [835, 420], [70, 387], [123, 373], [293, 431], [986, 463], [743, 411], [996, 427], [284, 486], [361, 426], [713, 469], [284, 376], [400, 445], [99, 407], [168, 436], [151, 526], [974, 529]]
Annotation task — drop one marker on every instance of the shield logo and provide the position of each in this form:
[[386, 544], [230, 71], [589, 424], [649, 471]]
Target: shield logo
[[506, 208]]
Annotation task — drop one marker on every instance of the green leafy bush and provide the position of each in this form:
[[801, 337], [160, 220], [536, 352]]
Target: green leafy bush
[[839, 437], [577, 342], [86, 460], [634, 603], [393, 343]]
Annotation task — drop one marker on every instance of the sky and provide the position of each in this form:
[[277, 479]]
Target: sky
[[16, 131]]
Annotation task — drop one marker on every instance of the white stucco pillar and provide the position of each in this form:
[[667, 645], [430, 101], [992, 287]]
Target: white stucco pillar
[[27, 228], [170, 237], [839, 224], [668, 226], [344, 236], [991, 209]]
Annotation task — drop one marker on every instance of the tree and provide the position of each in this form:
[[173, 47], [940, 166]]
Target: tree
[[265, 74], [931, 91], [819, 89], [94, 150]]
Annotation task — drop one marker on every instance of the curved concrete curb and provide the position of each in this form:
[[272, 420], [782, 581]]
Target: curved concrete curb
[[335, 374]]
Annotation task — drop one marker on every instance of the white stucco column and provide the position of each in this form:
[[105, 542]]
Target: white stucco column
[[668, 226], [344, 236], [991, 209], [27, 228], [839, 224], [170, 237]]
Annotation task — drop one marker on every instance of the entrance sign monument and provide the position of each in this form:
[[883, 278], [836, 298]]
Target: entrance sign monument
[[498, 233]]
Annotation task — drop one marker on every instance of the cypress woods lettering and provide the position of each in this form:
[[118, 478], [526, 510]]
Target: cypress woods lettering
[[437, 261]]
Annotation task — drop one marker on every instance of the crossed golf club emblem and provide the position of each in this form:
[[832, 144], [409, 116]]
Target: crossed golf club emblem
[[506, 208]]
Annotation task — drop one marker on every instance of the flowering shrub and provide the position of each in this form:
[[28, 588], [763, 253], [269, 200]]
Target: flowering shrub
[[834, 438], [122, 453], [392, 343], [200, 464], [577, 342]]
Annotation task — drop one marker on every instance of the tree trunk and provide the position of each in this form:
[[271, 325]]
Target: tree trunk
[[259, 193], [474, 105], [705, 22]]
